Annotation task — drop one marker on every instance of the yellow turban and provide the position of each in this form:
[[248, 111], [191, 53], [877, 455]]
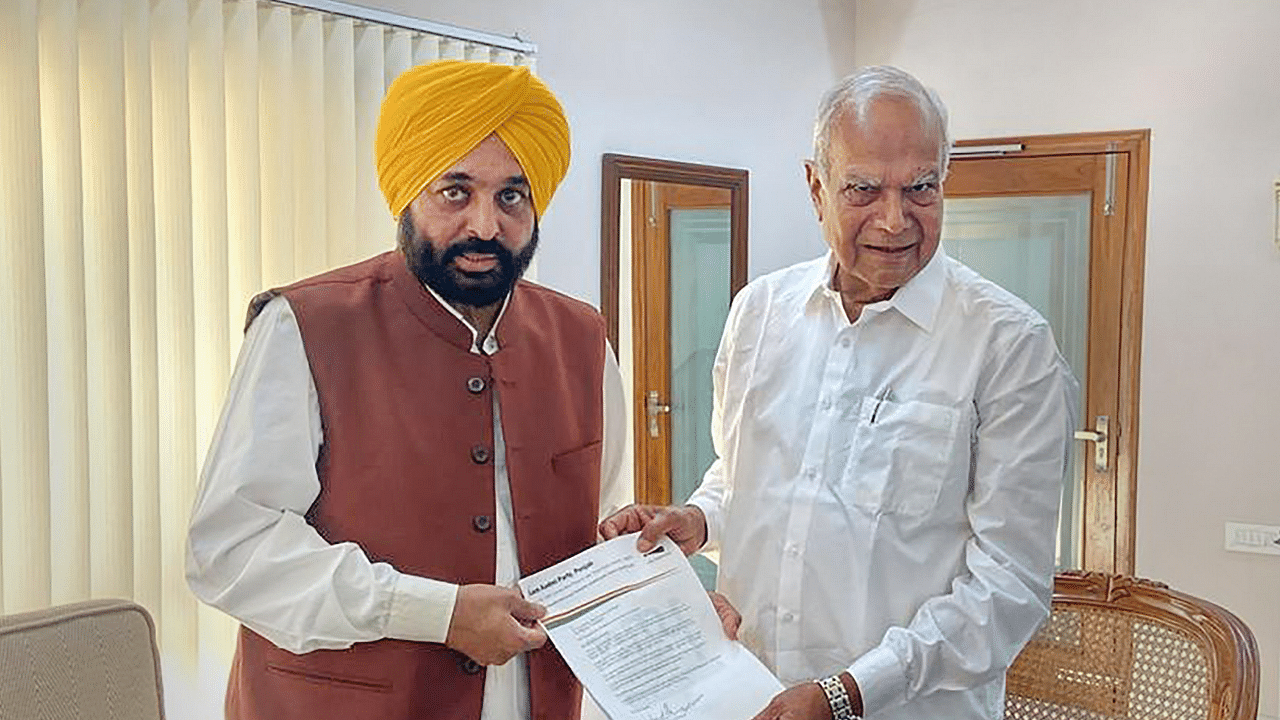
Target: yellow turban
[[435, 114]]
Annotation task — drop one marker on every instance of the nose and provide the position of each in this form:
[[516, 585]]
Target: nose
[[482, 219], [891, 219]]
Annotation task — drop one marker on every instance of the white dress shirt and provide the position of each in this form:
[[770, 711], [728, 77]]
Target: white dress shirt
[[252, 554], [886, 491]]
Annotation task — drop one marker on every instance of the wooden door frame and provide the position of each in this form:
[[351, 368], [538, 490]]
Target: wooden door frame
[[615, 168], [1132, 209]]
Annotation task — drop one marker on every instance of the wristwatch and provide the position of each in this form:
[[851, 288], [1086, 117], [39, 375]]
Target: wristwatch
[[837, 698]]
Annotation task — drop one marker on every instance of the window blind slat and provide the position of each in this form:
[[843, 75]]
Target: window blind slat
[[375, 229], [65, 300], [143, 383], [24, 425], [106, 274], [310, 251], [244, 216], [277, 124], [171, 125], [342, 157]]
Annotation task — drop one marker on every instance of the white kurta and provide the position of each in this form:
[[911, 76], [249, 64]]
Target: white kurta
[[252, 554], [886, 491]]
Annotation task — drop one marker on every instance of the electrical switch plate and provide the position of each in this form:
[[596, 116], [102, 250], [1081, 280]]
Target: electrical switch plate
[[1277, 226], [1262, 539]]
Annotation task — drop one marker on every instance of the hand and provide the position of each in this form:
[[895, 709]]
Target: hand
[[492, 624], [686, 526], [805, 701], [730, 618]]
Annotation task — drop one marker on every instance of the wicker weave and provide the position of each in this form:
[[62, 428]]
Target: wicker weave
[[1116, 648]]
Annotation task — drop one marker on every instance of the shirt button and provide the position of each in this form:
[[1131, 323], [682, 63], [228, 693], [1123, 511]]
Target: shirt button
[[793, 550], [490, 346], [844, 343], [470, 667], [810, 473], [789, 616], [475, 385], [481, 523], [479, 454]]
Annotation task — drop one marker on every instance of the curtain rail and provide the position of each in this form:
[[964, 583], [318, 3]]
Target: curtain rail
[[359, 12]]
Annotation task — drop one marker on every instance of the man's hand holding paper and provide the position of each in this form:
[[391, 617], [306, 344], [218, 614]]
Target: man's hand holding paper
[[644, 637]]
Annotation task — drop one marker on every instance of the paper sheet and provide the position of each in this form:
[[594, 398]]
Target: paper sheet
[[642, 636]]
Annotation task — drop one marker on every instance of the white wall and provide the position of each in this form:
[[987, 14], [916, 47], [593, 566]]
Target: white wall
[[1203, 77], [722, 82]]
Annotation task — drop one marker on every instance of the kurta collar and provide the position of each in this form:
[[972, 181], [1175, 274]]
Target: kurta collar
[[442, 317], [918, 300]]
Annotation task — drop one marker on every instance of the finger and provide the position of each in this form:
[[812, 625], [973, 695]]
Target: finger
[[526, 611], [626, 520], [663, 523], [533, 637], [730, 618]]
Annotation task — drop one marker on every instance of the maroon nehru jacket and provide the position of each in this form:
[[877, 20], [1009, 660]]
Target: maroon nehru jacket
[[406, 471]]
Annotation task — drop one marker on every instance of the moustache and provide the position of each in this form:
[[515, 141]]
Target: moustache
[[478, 246]]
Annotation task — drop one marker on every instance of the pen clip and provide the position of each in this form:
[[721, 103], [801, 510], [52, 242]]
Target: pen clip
[[880, 398]]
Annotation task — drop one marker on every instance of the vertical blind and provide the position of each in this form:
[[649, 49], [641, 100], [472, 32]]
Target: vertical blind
[[160, 162]]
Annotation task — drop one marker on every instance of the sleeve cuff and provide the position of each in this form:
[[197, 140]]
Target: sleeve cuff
[[711, 512], [421, 609], [881, 680]]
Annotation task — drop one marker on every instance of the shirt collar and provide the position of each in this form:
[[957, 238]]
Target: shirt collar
[[918, 300]]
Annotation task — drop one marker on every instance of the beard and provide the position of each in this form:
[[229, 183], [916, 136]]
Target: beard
[[458, 287]]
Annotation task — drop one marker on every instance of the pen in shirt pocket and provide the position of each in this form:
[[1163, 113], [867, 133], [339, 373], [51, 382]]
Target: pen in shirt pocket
[[886, 394]]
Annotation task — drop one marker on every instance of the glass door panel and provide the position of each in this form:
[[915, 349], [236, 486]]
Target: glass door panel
[[1036, 247], [699, 272]]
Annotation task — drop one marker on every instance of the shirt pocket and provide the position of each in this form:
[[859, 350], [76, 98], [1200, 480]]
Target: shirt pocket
[[900, 456]]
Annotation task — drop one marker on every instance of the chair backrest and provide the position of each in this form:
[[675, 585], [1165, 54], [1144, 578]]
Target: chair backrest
[[1117, 647], [95, 659]]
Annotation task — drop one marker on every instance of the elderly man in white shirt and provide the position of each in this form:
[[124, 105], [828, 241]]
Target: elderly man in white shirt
[[892, 433]]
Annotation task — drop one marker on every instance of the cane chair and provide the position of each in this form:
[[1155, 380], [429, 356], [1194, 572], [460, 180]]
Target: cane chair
[[96, 659], [1121, 648]]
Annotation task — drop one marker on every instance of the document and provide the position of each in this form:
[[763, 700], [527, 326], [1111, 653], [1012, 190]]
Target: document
[[643, 638]]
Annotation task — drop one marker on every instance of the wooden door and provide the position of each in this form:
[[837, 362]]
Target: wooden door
[[1108, 171], [664, 315]]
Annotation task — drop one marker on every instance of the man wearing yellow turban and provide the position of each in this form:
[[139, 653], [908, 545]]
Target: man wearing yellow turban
[[407, 436]]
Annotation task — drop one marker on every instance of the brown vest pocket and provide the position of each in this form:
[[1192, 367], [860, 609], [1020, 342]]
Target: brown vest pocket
[[329, 678]]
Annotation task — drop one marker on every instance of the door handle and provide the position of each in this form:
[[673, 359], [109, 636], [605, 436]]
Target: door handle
[[652, 407], [1098, 436]]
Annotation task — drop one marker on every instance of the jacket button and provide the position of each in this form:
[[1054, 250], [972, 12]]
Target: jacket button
[[475, 385], [471, 667], [480, 454], [481, 523]]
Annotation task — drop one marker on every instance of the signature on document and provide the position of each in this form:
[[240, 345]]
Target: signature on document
[[674, 712]]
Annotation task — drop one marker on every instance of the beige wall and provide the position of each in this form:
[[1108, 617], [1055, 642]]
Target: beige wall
[[1205, 77]]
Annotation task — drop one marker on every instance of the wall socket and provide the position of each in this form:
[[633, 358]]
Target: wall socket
[[1261, 539]]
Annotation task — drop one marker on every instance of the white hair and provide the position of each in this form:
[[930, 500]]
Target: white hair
[[854, 94]]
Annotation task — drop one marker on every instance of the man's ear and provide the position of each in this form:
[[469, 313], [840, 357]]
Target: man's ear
[[813, 176]]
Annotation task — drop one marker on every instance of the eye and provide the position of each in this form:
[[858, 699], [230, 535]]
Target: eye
[[454, 193], [860, 193], [510, 196], [923, 192]]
